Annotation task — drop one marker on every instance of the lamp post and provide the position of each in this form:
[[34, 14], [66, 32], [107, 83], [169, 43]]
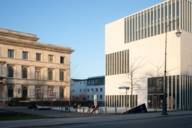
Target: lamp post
[[178, 33], [126, 89]]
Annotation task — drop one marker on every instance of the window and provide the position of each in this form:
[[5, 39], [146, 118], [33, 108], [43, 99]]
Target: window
[[101, 89], [113, 61], [62, 59], [61, 90], [101, 97], [10, 53], [24, 72], [61, 75], [25, 55], [38, 56], [50, 58], [96, 89], [37, 73], [50, 74], [10, 72], [10, 90]]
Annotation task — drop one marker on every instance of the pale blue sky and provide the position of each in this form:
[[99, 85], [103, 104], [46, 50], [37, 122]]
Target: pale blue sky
[[78, 24]]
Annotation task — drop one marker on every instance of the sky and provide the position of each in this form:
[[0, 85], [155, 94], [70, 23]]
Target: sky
[[78, 24]]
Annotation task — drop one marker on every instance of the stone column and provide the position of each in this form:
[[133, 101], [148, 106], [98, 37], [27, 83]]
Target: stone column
[[17, 91], [31, 72], [45, 89], [56, 75], [56, 90], [67, 92], [31, 92], [17, 71]]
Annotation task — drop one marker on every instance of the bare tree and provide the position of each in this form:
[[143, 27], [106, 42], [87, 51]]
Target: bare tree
[[134, 77]]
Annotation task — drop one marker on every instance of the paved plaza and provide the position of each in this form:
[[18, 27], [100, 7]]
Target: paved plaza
[[148, 120]]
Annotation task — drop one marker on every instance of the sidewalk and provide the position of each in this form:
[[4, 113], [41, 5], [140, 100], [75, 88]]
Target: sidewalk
[[79, 120], [45, 113]]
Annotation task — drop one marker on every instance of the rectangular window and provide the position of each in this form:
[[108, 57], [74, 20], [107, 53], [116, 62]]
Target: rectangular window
[[25, 55], [61, 92], [10, 90], [101, 97], [10, 53], [50, 74], [10, 71], [61, 74], [24, 72], [50, 58], [117, 63], [62, 60], [38, 56]]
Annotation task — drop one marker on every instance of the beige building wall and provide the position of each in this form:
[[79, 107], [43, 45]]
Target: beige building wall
[[20, 42]]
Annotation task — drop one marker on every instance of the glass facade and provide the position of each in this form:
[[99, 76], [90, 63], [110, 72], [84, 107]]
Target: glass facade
[[179, 92]]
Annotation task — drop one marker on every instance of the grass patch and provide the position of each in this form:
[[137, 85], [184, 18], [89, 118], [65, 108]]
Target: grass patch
[[18, 116]]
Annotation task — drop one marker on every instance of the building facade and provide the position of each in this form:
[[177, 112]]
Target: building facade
[[85, 89], [32, 70], [135, 56]]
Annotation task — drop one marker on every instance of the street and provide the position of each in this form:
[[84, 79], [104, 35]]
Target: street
[[163, 122], [149, 120]]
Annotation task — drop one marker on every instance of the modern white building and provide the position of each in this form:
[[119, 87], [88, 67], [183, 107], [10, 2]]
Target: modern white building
[[85, 89], [135, 57]]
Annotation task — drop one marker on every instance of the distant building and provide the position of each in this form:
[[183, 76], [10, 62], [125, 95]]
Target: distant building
[[85, 89], [135, 53], [32, 70]]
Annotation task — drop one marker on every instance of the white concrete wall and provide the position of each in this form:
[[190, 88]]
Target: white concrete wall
[[147, 55], [186, 53]]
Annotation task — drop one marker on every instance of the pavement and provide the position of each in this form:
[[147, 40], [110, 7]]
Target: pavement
[[148, 120], [44, 113]]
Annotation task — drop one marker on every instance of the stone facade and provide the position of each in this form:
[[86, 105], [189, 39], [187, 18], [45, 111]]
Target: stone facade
[[32, 70]]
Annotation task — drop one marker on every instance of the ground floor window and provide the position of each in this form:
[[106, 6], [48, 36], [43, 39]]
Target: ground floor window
[[61, 92], [10, 90], [24, 92], [179, 92], [38, 92]]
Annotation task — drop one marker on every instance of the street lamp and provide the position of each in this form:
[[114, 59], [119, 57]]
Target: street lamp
[[126, 89], [178, 34]]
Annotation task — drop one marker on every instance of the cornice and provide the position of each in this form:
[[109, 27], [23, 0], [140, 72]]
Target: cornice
[[36, 45]]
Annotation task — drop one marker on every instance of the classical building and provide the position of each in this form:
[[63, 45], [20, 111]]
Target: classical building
[[85, 89], [135, 57], [32, 70]]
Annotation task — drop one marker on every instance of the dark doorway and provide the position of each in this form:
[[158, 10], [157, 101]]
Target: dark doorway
[[24, 92], [155, 92]]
